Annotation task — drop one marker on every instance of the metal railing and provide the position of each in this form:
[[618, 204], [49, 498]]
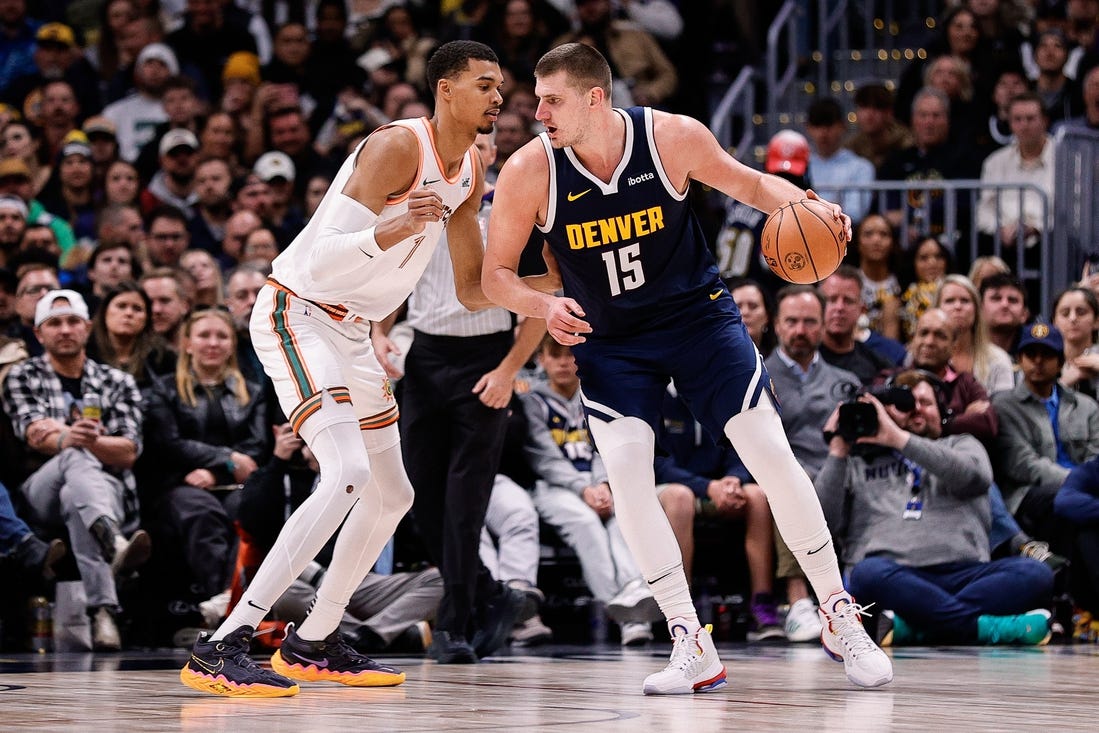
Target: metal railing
[[737, 105], [1076, 202], [947, 210]]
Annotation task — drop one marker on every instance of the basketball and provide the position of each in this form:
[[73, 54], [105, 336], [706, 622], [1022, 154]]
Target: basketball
[[802, 243]]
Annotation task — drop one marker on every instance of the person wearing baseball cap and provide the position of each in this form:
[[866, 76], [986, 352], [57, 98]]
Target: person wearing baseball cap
[[285, 216], [137, 116], [56, 56], [80, 422], [174, 183], [1045, 430], [788, 155]]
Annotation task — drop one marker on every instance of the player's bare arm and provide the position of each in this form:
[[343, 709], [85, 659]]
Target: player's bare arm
[[386, 168], [463, 233], [690, 151], [520, 202]]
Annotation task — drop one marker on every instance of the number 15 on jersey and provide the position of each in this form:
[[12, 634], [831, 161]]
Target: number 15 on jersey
[[624, 268]]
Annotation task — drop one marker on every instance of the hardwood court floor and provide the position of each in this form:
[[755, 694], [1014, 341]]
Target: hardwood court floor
[[562, 688]]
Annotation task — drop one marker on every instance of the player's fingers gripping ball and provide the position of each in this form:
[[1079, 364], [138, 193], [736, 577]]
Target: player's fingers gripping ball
[[802, 242]]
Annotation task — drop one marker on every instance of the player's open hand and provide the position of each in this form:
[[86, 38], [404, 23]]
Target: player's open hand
[[424, 206], [565, 322], [837, 212]]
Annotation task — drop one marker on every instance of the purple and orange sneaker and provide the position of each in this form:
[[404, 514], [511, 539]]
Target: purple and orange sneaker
[[224, 668], [331, 660]]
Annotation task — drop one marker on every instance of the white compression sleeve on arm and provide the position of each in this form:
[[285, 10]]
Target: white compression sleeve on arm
[[348, 230]]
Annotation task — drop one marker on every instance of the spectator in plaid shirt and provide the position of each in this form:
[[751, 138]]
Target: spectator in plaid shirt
[[77, 465]]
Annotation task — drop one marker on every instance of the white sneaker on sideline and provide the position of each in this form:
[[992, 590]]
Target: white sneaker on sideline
[[636, 633], [214, 608], [845, 640], [634, 603], [693, 667], [802, 621]]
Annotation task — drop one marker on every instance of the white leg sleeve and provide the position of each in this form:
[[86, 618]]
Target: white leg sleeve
[[369, 525], [626, 446], [345, 475], [761, 442]]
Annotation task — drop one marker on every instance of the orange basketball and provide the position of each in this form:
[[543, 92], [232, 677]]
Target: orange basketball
[[802, 243]]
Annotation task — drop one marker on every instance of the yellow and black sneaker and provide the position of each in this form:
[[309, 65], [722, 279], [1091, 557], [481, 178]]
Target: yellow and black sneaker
[[224, 668], [331, 660]]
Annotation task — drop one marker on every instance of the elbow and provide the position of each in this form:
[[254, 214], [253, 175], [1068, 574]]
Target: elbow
[[472, 297]]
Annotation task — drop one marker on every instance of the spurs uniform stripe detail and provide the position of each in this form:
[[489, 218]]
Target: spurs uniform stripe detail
[[380, 420], [289, 346]]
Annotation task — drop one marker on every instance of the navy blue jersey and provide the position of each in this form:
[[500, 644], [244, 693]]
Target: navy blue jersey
[[631, 251]]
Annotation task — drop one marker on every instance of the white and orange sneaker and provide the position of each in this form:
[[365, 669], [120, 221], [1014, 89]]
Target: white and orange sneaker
[[845, 640], [694, 666]]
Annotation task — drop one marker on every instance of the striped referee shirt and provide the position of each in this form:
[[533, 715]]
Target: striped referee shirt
[[433, 307]]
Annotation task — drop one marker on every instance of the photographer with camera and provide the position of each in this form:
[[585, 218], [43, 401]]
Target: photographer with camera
[[910, 509]]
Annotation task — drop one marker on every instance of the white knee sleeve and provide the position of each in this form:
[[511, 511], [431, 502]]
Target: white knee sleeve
[[761, 443]]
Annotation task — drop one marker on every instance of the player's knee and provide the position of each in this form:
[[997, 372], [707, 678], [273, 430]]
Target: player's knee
[[677, 499], [398, 498], [354, 471]]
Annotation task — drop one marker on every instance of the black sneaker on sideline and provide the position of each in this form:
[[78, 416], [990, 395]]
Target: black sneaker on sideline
[[224, 668], [330, 660], [448, 648], [499, 619]]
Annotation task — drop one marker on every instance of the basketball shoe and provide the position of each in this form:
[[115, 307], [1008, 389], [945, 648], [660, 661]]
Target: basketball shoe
[[330, 660], [224, 668], [694, 666], [845, 640], [1029, 629]]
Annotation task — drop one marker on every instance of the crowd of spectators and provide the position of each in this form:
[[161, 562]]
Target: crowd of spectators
[[157, 156]]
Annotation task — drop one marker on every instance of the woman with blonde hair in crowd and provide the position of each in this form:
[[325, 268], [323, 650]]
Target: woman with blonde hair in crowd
[[209, 289], [123, 336], [973, 351], [205, 433], [1076, 314], [987, 265]]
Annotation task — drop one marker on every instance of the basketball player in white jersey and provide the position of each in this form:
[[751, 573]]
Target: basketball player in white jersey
[[356, 261]]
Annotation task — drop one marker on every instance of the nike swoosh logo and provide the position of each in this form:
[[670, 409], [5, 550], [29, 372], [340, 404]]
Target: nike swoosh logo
[[314, 662], [574, 196], [261, 608], [813, 552], [428, 183], [370, 256], [715, 296], [206, 667]]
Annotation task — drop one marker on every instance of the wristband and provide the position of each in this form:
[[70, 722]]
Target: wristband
[[61, 440]]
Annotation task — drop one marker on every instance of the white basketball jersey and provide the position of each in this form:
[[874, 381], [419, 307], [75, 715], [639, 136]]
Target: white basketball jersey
[[373, 287]]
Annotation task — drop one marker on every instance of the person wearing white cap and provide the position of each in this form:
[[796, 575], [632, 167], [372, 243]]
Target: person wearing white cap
[[174, 183], [136, 117], [285, 217], [81, 425]]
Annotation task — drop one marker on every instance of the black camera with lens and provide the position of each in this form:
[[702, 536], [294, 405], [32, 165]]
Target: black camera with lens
[[858, 419]]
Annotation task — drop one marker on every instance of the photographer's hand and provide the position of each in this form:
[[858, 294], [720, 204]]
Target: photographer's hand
[[889, 433], [837, 446]]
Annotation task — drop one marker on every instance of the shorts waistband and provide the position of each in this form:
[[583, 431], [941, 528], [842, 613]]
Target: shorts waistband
[[335, 312]]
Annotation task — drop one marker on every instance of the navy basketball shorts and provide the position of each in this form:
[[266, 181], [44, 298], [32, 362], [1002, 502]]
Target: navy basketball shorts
[[712, 361]]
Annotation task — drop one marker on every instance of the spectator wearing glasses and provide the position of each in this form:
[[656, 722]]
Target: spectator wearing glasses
[[168, 237], [35, 281]]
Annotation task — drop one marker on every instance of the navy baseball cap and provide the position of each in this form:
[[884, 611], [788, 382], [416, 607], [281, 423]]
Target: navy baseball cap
[[1042, 334]]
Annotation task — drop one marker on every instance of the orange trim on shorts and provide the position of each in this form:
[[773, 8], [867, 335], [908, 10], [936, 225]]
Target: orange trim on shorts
[[335, 312], [304, 411], [381, 420], [341, 395]]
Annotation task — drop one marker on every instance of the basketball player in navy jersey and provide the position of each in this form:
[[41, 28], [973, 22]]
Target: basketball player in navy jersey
[[643, 304], [358, 259]]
